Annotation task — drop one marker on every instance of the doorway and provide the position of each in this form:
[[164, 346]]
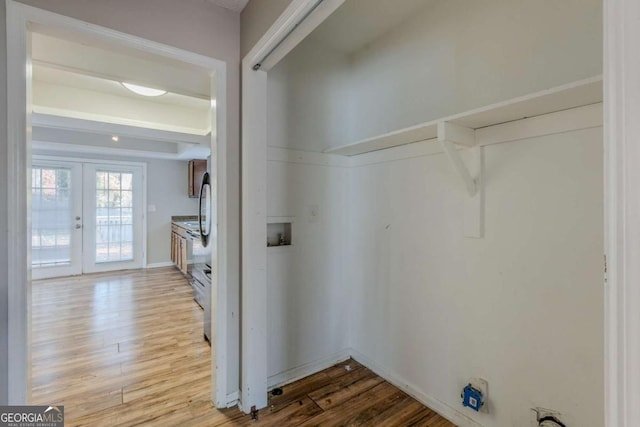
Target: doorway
[[22, 21], [86, 217]]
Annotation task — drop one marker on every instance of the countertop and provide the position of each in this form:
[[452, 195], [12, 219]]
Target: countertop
[[186, 222]]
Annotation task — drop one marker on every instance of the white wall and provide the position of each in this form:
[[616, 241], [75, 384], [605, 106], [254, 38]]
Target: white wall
[[457, 55], [193, 25], [307, 296], [308, 302], [257, 18], [521, 307], [167, 190], [450, 57], [306, 98]]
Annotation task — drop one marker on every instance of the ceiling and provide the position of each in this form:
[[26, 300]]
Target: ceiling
[[77, 86], [235, 5], [118, 63], [359, 22], [76, 79]]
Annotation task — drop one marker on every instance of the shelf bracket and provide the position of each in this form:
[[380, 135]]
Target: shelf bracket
[[450, 135]]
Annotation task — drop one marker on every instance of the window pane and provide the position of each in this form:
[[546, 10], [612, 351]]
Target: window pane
[[127, 199], [101, 180], [127, 181], [50, 216], [114, 218]]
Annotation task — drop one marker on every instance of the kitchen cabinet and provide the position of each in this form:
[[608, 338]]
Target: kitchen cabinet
[[197, 168], [179, 247]]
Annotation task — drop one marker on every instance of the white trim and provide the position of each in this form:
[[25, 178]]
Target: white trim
[[456, 417], [219, 299], [67, 123], [280, 29], [622, 213], [18, 181], [89, 160], [254, 235], [287, 155], [19, 17], [160, 264], [78, 113], [307, 369], [60, 147]]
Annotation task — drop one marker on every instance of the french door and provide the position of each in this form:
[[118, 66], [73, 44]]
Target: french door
[[86, 218], [56, 219]]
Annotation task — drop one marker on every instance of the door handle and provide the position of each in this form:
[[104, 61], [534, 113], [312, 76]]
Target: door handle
[[78, 226], [77, 218]]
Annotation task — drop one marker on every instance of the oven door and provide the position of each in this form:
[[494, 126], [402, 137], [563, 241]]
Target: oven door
[[196, 252], [199, 291]]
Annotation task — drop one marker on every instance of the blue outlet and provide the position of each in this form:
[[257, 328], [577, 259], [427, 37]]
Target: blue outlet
[[472, 398]]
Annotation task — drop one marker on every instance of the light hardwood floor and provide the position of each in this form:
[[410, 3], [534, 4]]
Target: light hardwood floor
[[127, 349]]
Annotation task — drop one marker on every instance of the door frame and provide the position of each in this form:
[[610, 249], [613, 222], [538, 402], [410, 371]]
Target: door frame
[[622, 212], [117, 163], [19, 19], [282, 37]]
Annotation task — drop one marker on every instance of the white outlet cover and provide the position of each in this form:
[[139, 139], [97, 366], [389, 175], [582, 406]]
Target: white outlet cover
[[482, 385], [151, 208]]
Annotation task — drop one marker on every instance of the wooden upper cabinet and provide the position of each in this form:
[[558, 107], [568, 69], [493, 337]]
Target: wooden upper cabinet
[[197, 168]]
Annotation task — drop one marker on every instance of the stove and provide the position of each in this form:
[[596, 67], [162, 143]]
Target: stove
[[201, 284]]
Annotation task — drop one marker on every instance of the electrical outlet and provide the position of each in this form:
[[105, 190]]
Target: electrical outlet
[[482, 385]]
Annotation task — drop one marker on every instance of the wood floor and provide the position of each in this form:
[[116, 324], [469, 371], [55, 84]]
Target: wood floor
[[127, 348]]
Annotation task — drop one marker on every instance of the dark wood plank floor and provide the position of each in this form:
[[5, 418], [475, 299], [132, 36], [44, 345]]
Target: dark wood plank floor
[[126, 348]]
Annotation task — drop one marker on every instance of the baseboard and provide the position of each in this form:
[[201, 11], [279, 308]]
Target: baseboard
[[436, 405], [160, 264], [307, 369]]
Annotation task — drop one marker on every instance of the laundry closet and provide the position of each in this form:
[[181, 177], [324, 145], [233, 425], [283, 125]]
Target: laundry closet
[[435, 204]]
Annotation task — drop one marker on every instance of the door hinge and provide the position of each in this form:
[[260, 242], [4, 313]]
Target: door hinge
[[605, 269]]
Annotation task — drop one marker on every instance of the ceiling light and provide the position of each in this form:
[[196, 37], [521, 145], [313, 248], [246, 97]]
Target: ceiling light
[[115, 138], [143, 90]]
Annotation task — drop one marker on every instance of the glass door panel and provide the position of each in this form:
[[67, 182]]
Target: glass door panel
[[56, 237], [113, 204], [114, 216]]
